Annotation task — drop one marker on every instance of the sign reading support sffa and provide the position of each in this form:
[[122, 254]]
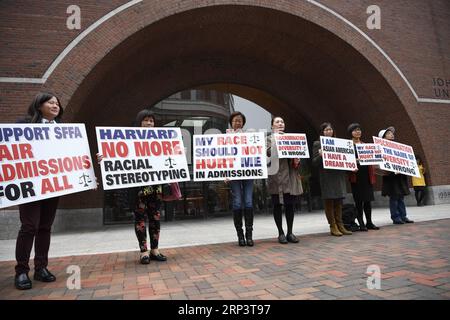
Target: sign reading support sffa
[[369, 154], [41, 161], [233, 156], [134, 157], [398, 157], [292, 145], [338, 153]]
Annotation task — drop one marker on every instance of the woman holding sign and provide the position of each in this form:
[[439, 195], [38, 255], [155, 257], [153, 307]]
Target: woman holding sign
[[37, 217], [242, 189], [395, 186], [147, 203], [332, 185], [284, 183], [362, 181]]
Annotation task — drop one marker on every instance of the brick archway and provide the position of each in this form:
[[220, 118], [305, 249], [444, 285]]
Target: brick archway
[[290, 62]]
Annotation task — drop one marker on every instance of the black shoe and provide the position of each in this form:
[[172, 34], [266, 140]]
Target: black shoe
[[291, 238], [406, 220], [158, 257], [145, 258], [22, 281], [282, 239], [398, 222], [362, 227], [44, 275], [371, 226]]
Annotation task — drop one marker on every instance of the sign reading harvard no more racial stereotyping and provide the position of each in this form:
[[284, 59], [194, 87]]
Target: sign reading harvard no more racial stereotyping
[[292, 145], [338, 153], [134, 157], [41, 161], [398, 157], [233, 156]]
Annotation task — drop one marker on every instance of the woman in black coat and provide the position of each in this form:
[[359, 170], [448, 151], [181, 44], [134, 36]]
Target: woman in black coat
[[333, 185], [37, 217], [395, 186]]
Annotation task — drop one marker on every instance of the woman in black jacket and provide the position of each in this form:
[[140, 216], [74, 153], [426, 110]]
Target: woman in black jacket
[[37, 217]]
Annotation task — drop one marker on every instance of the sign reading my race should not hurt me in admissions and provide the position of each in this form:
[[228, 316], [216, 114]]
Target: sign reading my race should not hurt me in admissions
[[369, 154], [233, 156], [338, 153], [135, 157], [41, 161], [292, 145], [398, 157]]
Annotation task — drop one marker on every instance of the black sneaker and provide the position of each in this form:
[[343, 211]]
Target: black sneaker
[[398, 222], [406, 220], [158, 257]]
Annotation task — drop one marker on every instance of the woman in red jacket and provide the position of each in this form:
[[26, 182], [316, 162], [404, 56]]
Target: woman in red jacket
[[362, 182]]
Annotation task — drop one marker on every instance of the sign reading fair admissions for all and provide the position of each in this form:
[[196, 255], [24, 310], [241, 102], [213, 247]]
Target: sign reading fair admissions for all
[[338, 153], [134, 157], [369, 154], [233, 156], [292, 145], [398, 157], [41, 161]]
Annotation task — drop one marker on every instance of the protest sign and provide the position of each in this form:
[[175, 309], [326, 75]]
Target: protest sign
[[41, 161], [369, 154], [233, 156], [291, 145], [398, 157], [135, 157], [338, 154]]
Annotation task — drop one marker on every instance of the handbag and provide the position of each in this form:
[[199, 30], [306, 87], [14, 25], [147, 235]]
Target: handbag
[[173, 192]]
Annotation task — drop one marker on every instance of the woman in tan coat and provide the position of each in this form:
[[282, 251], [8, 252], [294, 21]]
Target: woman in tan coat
[[283, 181]]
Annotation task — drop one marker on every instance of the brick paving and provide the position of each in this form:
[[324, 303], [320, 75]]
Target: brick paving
[[414, 260]]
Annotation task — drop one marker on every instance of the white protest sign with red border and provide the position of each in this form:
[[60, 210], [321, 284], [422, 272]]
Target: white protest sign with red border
[[338, 154], [398, 157], [233, 156], [291, 145], [135, 157], [41, 161], [369, 154]]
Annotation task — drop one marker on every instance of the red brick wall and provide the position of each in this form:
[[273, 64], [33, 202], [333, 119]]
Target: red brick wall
[[307, 64]]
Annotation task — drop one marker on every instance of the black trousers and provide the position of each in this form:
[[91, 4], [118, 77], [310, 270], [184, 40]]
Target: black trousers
[[37, 220]]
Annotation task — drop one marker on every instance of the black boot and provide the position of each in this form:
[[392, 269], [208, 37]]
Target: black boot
[[362, 226], [368, 213], [237, 217], [248, 215]]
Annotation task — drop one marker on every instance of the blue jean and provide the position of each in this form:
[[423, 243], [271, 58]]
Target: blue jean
[[397, 207], [241, 188]]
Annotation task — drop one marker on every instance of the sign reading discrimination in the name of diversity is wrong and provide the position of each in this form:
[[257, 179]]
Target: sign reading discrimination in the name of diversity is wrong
[[338, 153], [233, 156], [292, 145], [135, 157], [398, 157], [369, 154], [41, 161]]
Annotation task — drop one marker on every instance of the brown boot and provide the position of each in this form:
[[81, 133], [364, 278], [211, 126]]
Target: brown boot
[[338, 218], [342, 229], [334, 230], [329, 212]]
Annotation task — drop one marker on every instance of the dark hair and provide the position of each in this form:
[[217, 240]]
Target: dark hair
[[273, 119], [352, 127], [34, 110], [234, 115], [325, 125], [418, 158], [142, 115]]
